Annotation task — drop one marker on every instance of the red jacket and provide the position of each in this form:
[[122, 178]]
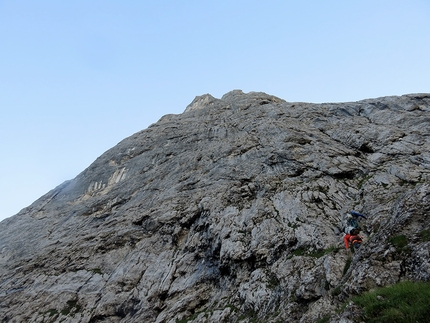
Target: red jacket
[[348, 238]]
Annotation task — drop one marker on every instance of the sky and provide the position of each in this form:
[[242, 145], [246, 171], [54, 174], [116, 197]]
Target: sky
[[77, 77]]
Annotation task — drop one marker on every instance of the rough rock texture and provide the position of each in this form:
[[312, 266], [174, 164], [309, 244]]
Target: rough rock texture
[[229, 212]]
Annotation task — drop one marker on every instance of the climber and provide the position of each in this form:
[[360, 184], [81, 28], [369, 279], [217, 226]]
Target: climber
[[354, 238], [352, 221]]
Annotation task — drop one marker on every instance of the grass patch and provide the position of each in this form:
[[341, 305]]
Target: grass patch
[[96, 271], [187, 319], [250, 315], [322, 252], [299, 251], [293, 226], [337, 291], [347, 265], [400, 243], [324, 319], [326, 285], [52, 312], [405, 302], [182, 321], [71, 307], [191, 318], [273, 282], [363, 180], [425, 235]]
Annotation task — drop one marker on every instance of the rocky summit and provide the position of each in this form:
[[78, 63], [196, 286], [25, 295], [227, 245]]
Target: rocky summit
[[232, 211]]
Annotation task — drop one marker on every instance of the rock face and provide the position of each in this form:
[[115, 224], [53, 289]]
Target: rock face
[[229, 212]]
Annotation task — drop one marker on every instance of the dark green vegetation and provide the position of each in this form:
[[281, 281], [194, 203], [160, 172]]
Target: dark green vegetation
[[425, 235], [400, 243], [404, 302], [97, 271], [325, 319], [347, 265], [72, 307]]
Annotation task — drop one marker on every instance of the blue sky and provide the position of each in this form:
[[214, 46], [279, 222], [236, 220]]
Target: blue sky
[[77, 77]]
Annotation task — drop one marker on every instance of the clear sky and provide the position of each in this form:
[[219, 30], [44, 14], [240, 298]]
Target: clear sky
[[77, 77]]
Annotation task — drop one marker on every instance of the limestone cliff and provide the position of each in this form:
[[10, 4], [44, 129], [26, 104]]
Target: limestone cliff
[[229, 212]]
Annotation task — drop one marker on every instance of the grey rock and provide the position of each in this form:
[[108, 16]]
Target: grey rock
[[232, 211]]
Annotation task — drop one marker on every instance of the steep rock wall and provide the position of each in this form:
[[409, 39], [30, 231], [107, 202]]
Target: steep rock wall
[[231, 212]]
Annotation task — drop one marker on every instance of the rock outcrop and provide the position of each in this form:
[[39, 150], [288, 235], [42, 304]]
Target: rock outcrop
[[229, 212]]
